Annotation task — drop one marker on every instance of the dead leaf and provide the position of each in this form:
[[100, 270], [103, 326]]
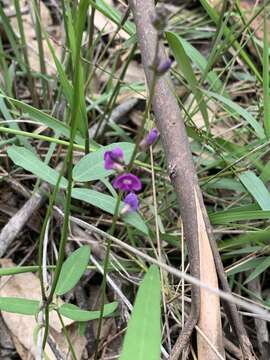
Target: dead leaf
[[106, 26], [32, 45], [23, 327]]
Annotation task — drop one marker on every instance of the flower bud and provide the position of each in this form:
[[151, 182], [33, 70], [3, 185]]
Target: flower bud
[[163, 67], [131, 203], [149, 139]]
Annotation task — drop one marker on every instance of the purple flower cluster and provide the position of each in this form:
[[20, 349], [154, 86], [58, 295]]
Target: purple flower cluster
[[126, 181]]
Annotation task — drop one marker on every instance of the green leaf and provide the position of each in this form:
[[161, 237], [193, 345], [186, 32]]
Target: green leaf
[[245, 266], [13, 125], [107, 203], [230, 38], [91, 166], [186, 68], [30, 162], [225, 217], [201, 63], [261, 267], [19, 305], [42, 117], [75, 313], [113, 15], [240, 111], [66, 85], [256, 188], [72, 270], [256, 237], [226, 183], [266, 97], [143, 337]]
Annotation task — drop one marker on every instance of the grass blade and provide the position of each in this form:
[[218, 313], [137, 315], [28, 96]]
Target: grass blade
[[186, 68], [240, 111], [256, 188], [266, 98], [260, 268]]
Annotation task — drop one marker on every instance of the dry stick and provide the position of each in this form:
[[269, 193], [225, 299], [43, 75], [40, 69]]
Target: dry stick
[[17, 222], [185, 182], [260, 324]]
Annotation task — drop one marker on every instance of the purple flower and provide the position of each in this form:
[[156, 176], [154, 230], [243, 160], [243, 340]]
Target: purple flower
[[164, 66], [149, 139], [152, 136], [131, 203], [113, 159], [127, 182]]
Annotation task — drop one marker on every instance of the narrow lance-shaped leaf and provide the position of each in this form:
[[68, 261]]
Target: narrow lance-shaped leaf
[[235, 108], [198, 59], [186, 68], [266, 97], [143, 337], [30, 162], [256, 188], [107, 203], [19, 305], [42, 117], [225, 217], [75, 313], [260, 268], [72, 270]]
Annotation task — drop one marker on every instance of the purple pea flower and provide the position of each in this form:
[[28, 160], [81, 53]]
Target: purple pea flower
[[114, 159], [163, 67], [131, 203], [127, 182], [149, 139]]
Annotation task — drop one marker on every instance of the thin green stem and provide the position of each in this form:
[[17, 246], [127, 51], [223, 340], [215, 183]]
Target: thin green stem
[[74, 357], [69, 159], [105, 272], [112, 100], [148, 107], [31, 80], [39, 137], [46, 91]]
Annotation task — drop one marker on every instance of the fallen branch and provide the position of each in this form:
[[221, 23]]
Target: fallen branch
[[204, 258]]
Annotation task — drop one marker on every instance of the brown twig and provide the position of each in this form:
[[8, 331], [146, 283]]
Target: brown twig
[[204, 261]]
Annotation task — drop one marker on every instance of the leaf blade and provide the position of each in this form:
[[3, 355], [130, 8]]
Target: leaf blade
[[143, 336], [19, 305], [30, 162], [107, 203], [75, 313], [72, 270], [91, 166], [186, 68], [256, 188]]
